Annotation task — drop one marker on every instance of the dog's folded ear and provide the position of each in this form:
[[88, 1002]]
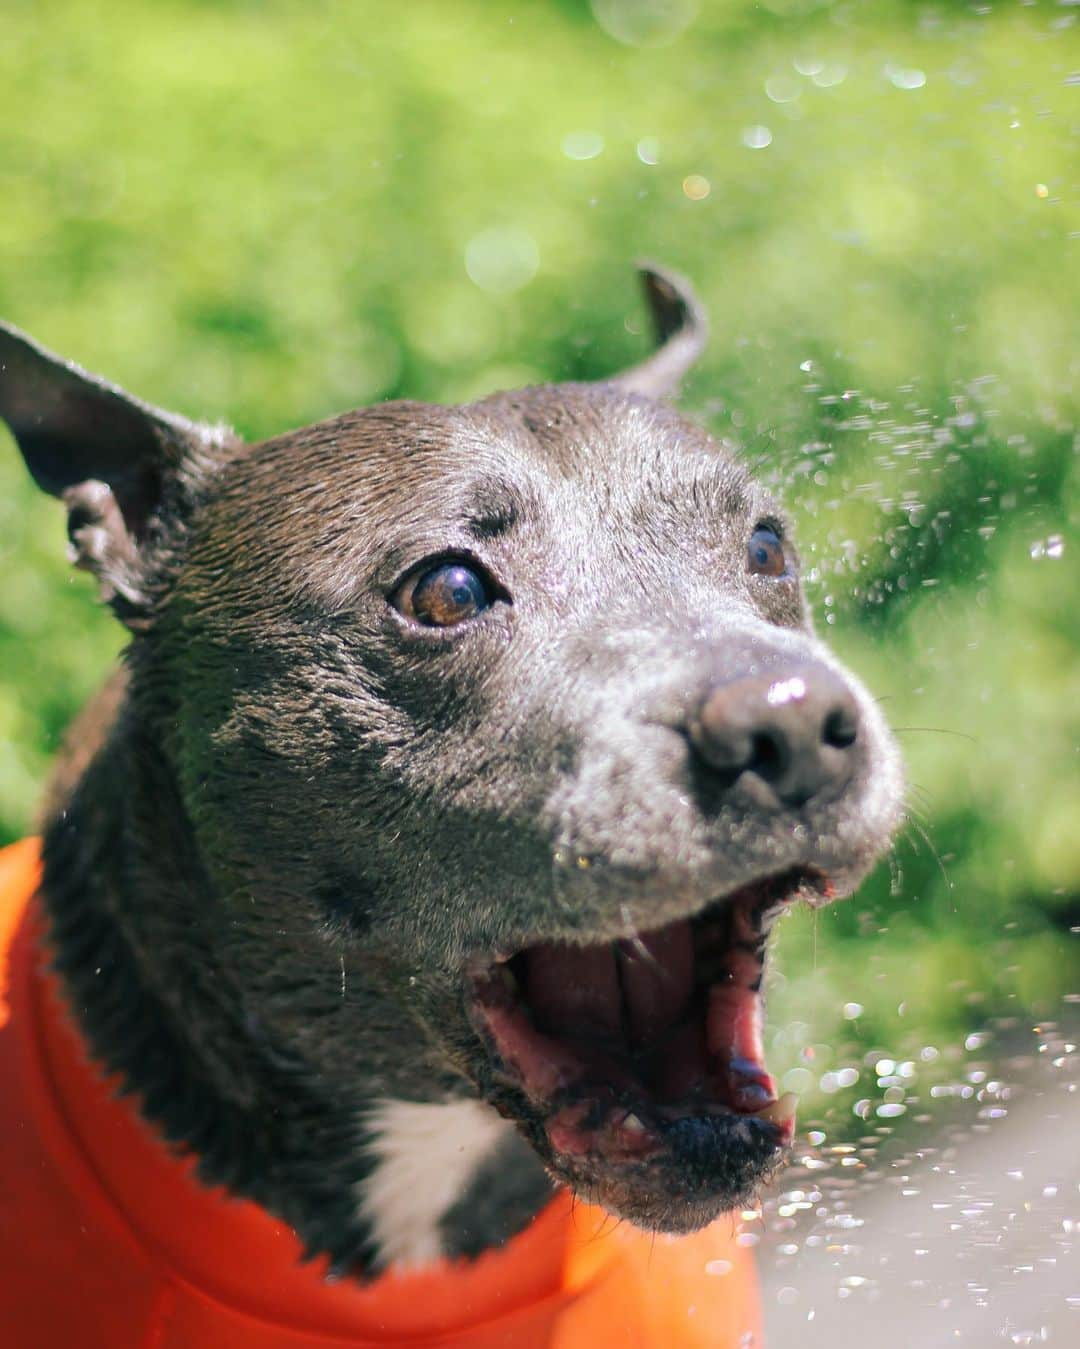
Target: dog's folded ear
[[681, 330], [114, 460]]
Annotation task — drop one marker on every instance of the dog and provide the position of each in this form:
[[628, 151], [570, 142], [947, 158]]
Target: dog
[[420, 860]]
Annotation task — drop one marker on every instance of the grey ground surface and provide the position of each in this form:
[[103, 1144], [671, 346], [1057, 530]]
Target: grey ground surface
[[967, 1237]]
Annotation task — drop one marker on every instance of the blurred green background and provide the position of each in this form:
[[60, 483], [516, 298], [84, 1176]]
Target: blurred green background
[[269, 212]]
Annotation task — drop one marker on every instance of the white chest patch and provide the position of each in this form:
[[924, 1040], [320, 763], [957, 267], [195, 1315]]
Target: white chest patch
[[425, 1155]]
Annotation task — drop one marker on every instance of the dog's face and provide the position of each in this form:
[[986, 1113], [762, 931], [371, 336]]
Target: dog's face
[[517, 707]]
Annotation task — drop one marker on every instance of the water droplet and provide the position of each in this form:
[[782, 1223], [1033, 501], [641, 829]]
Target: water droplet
[[902, 78], [648, 150], [829, 75], [696, 187], [644, 23], [756, 137], [502, 259], [582, 144], [782, 89], [832, 1082], [798, 1080]]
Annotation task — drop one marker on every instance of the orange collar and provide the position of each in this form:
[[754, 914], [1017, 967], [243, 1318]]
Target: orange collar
[[571, 1278]]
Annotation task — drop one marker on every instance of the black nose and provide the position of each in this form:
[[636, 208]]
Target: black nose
[[787, 734]]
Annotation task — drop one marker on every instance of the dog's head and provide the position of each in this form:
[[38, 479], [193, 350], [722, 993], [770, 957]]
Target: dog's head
[[512, 711]]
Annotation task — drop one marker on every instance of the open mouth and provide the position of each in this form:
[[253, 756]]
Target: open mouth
[[641, 1060]]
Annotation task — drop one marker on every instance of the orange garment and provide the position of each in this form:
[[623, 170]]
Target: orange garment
[[107, 1240]]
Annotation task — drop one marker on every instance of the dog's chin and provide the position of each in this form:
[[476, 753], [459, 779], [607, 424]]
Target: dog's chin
[[636, 1067]]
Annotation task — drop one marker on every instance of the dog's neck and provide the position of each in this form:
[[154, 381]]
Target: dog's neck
[[365, 1174]]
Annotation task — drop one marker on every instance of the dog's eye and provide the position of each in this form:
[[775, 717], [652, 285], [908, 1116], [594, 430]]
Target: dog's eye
[[443, 596], [765, 553]]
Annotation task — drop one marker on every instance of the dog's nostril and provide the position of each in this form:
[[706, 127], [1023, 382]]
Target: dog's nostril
[[840, 729], [770, 754], [788, 733]]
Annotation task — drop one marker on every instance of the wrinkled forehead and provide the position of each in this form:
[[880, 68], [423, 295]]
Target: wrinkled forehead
[[371, 492], [619, 448]]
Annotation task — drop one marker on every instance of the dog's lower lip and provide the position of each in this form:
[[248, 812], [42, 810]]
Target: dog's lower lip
[[617, 1044]]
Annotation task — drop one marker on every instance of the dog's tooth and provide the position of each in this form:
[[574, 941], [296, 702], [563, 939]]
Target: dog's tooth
[[633, 1125], [781, 1111]]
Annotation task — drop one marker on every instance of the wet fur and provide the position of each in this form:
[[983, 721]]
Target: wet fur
[[303, 823]]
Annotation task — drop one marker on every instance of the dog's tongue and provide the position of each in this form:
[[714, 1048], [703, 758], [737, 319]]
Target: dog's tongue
[[657, 976], [632, 1001], [633, 990]]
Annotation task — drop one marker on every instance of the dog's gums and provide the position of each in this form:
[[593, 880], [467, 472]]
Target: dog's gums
[[627, 1052]]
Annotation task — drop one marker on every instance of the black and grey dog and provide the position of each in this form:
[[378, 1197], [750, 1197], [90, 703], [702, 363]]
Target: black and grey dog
[[424, 851]]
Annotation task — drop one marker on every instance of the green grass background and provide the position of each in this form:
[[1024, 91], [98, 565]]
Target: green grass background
[[269, 212]]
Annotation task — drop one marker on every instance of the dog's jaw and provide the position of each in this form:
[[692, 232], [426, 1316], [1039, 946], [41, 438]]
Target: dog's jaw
[[637, 1066]]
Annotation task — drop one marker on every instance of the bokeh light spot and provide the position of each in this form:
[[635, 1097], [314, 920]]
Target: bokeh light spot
[[902, 78], [644, 23], [582, 144], [782, 89], [756, 137], [829, 75], [502, 259], [648, 150]]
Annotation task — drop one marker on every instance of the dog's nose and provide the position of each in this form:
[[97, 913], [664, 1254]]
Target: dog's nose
[[788, 734]]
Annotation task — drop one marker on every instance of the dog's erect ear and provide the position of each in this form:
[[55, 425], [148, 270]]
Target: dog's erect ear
[[681, 333], [111, 458]]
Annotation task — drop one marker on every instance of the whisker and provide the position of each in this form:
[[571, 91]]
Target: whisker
[[934, 730], [896, 873], [922, 794], [925, 836], [604, 1230], [917, 807]]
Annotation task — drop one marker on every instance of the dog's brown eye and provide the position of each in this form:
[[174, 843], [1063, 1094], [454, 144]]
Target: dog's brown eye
[[444, 596], [765, 553]]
